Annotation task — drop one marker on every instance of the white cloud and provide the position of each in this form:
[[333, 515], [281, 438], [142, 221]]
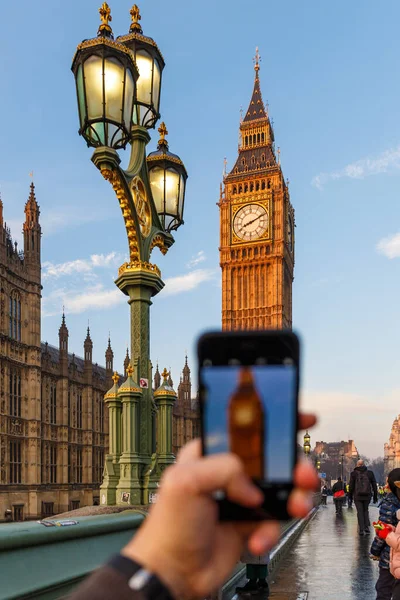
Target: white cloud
[[196, 259], [53, 221], [81, 265], [386, 162], [185, 283], [389, 246], [75, 302]]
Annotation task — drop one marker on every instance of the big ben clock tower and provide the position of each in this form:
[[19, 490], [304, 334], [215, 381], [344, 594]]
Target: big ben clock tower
[[256, 229]]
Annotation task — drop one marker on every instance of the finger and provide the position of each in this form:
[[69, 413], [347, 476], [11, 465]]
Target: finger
[[213, 473], [265, 537], [300, 503], [305, 476], [306, 420], [191, 451]]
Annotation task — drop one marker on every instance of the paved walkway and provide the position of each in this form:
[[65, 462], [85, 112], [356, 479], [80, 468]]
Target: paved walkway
[[329, 561]]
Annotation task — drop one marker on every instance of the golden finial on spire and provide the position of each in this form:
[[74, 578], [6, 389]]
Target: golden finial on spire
[[135, 25], [129, 370], [257, 60], [163, 131], [165, 375], [115, 378], [106, 18]]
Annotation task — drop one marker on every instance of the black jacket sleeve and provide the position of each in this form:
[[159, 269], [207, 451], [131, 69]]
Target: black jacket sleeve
[[105, 584], [373, 485], [352, 483]]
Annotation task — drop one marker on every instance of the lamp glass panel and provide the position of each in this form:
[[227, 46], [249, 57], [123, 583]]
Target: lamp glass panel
[[99, 128], [157, 179], [171, 191], [129, 92], [80, 88], [181, 195], [144, 64], [156, 85], [93, 67], [113, 88]]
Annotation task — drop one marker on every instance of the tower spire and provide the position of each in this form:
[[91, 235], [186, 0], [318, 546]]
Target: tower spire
[[256, 108]]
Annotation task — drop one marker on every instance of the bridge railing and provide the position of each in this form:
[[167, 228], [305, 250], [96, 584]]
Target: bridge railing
[[47, 562]]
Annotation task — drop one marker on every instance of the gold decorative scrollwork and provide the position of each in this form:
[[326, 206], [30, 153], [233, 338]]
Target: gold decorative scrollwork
[[139, 265], [113, 177], [158, 241]]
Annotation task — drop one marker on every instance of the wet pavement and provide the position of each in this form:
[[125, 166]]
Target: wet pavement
[[329, 561]]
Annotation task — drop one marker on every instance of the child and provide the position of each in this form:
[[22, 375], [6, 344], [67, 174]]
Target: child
[[388, 587]]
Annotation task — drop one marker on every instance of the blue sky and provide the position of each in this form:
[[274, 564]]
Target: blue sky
[[275, 386], [329, 72]]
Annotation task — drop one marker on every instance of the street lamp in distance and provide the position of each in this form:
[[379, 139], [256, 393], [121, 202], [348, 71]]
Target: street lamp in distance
[[307, 444]]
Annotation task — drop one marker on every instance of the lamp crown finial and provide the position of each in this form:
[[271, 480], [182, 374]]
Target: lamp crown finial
[[106, 18], [165, 375], [136, 17], [163, 131], [115, 378]]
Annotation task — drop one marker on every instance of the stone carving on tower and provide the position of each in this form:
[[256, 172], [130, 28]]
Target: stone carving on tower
[[256, 228]]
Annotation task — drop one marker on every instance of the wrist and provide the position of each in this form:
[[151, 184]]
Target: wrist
[[138, 551]]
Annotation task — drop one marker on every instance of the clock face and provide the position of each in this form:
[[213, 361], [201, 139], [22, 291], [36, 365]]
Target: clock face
[[250, 222], [142, 206]]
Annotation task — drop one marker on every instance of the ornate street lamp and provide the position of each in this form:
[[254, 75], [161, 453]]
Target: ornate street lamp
[[106, 76], [168, 182], [307, 444], [150, 63], [118, 87]]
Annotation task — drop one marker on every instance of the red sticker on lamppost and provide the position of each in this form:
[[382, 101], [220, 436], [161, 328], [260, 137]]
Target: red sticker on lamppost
[[144, 383]]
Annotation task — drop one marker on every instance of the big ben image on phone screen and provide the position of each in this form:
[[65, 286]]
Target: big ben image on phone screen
[[256, 228], [246, 424]]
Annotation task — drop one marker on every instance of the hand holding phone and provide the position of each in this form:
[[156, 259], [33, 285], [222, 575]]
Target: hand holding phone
[[249, 383]]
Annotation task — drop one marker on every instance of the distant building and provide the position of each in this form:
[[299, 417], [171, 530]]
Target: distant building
[[392, 448], [336, 458], [53, 426]]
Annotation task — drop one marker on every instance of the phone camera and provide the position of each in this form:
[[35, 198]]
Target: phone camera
[[261, 361], [207, 363], [233, 362], [282, 495]]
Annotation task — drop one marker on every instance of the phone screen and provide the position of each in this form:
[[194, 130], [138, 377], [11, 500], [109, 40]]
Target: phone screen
[[251, 411]]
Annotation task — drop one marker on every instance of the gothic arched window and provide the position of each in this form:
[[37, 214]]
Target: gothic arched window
[[240, 189], [53, 403], [15, 392], [246, 188], [246, 140], [269, 184], [15, 316], [257, 186], [263, 157], [258, 138], [234, 190], [262, 137], [251, 187], [263, 185]]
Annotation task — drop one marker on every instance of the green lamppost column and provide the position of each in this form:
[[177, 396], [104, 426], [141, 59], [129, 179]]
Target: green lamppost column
[[118, 85], [111, 468], [129, 486], [165, 398]]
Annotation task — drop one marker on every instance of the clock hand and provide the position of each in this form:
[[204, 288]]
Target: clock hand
[[250, 222]]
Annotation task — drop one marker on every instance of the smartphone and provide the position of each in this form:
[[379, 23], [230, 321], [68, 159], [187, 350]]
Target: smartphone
[[249, 387]]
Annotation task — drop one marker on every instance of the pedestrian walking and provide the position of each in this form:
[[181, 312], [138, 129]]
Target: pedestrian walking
[[362, 487], [256, 573], [388, 586], [338, 495], [324, 495]]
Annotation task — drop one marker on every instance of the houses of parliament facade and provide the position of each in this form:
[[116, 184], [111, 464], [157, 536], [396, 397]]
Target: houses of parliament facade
[[53, 421]]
